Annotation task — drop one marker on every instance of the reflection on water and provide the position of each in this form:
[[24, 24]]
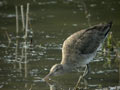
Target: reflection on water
[[52, 22]]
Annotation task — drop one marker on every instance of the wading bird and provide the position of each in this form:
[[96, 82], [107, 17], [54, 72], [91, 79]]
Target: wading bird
[[80, 48]]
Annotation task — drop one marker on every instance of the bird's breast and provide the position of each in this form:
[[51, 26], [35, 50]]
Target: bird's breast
[[75, 60]]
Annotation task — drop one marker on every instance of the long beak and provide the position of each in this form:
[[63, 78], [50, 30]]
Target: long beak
[[47, 76]]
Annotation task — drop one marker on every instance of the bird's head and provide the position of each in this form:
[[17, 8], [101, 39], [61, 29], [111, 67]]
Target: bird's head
[[56, 70]]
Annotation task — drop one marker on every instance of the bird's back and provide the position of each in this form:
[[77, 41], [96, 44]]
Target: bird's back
[[83, 44]]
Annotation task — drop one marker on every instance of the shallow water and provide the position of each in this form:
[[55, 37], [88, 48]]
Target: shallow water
[[51, 23]]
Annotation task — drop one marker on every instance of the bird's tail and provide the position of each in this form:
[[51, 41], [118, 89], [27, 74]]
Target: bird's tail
[[107, 28]]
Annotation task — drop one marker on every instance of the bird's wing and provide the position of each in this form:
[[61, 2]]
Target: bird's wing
[[84, 42], [88, 42]]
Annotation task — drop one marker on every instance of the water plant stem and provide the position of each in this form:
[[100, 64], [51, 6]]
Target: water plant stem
[[17, 23], [9, 40], [17, 29], [23, 20], [27, 19]]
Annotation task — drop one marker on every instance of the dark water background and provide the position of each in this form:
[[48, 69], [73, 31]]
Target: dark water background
[[52, 21]]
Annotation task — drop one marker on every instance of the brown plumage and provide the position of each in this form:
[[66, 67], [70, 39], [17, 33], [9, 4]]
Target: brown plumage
[[80, 48]]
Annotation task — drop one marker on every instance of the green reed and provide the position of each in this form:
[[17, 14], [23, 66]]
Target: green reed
[[111, 51]]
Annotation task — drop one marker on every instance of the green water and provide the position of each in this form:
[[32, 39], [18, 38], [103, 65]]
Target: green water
[[52, 21]]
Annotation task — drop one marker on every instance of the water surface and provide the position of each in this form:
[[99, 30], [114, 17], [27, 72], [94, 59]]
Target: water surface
[[52, 21]]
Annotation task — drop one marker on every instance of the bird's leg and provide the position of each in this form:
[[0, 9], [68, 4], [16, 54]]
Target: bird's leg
[[88, 68], [86, 71], [76, 86]]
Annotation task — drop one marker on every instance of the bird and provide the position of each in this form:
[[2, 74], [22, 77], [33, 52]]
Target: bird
[[80, 48]]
